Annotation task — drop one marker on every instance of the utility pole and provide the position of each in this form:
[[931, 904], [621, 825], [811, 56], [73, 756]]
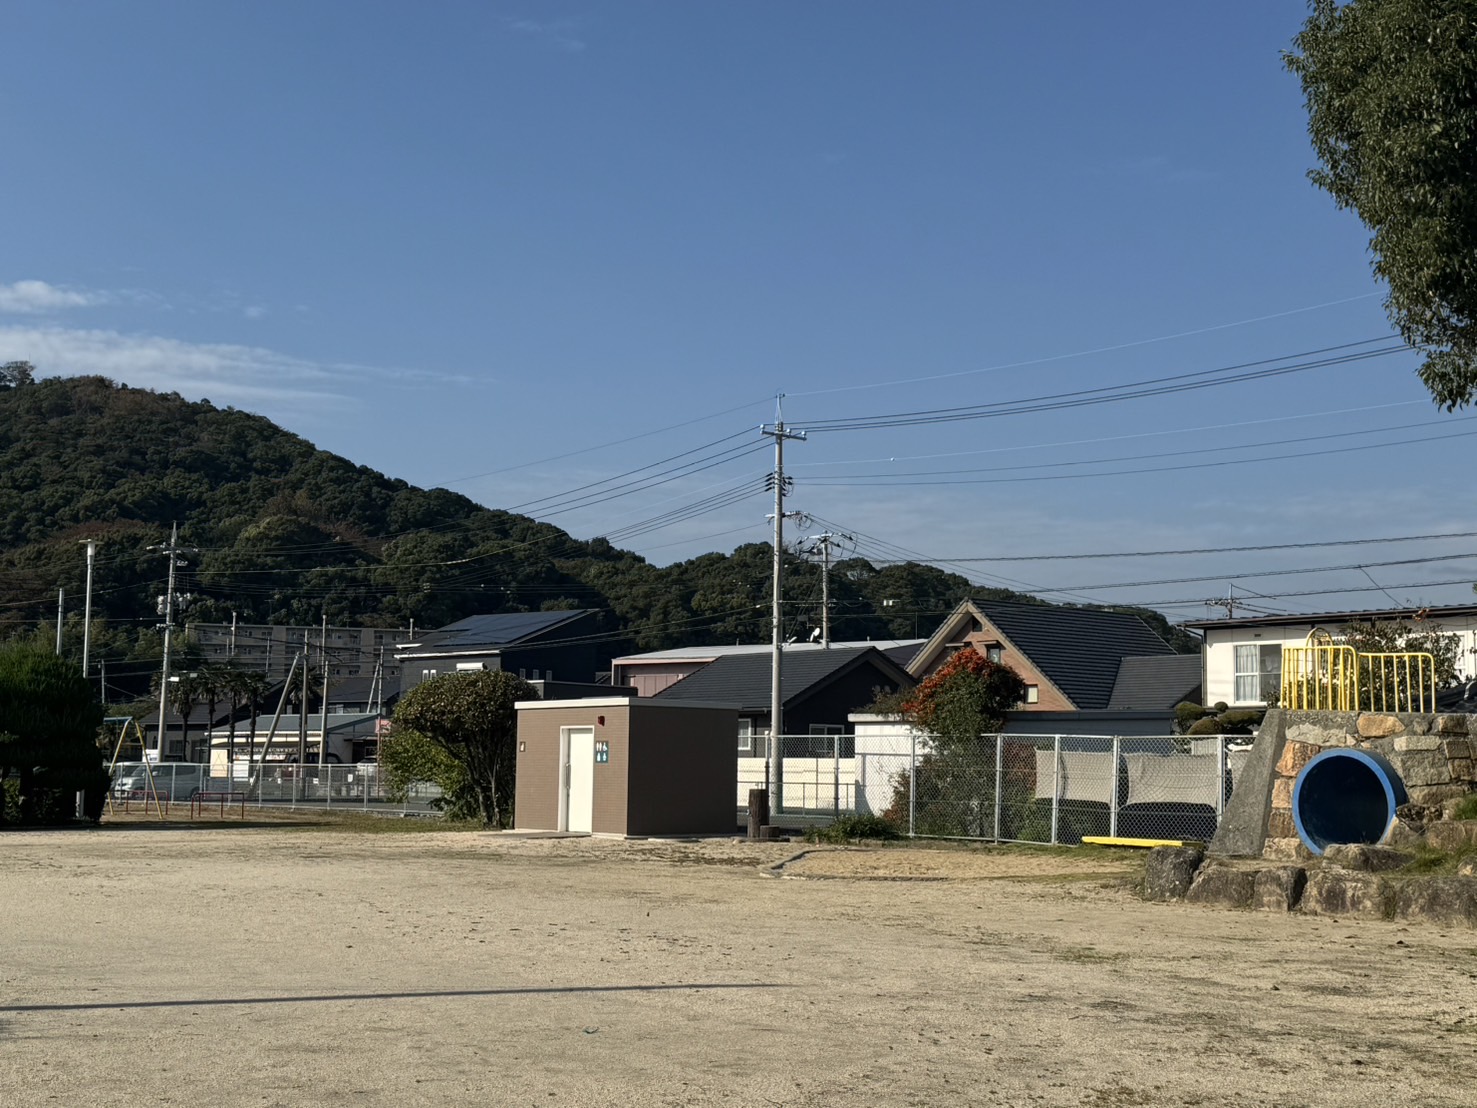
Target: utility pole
[[773, 760], [302, 711], [323, 708], [172, 552], [823, 543], [61, 597], [87, 605]]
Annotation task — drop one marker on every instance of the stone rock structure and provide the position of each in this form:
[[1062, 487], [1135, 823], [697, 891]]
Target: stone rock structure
[[1433, 754], [1321, 887]]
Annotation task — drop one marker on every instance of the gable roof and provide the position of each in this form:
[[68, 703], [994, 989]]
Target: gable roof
[[480, 634], [744, 680], [1079, 649], [1159, 681]]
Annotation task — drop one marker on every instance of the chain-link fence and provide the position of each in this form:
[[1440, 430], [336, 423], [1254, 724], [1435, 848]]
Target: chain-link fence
[[290, 785], [1008, 788]]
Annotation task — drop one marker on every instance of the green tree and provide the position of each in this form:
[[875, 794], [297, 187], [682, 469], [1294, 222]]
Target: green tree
[[49, 717], [408, 758], [959, 706], [14, 375], [470, 717], [963, 699], [1391, 93]]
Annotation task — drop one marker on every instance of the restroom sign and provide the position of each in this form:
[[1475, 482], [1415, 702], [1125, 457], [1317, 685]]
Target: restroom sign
[[602, 752]]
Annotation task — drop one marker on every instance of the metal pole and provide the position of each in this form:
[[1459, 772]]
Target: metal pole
[[912, 783], [826, 591], [302, 708], [777, 642], [61, 596], [168, 626], [999, 779], [774, 762], [1056, 785], [1220, 776], [87, 606], [1113, 786], [323, 712]]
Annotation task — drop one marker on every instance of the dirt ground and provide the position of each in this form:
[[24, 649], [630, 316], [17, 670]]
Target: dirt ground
[[276, 968]]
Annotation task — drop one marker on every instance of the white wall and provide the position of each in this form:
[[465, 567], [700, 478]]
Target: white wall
[[1221, 642]]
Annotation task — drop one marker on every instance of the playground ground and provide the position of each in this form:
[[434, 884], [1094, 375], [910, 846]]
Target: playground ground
[[277, 967]]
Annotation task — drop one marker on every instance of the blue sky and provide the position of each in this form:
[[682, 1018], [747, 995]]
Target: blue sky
[[465, 243]]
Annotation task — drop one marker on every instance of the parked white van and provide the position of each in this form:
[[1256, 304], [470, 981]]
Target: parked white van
[[171, 780]]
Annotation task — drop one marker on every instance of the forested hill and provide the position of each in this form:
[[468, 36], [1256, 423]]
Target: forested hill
[[287, 533]]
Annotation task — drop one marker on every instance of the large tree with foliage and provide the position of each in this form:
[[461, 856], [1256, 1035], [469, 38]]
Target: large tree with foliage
[[470, 717], [958, 706], [964, 698], [49, 716], [1391, 90]]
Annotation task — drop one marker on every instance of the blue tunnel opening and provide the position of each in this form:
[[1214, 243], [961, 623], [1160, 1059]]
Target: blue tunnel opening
[[1345, 796]]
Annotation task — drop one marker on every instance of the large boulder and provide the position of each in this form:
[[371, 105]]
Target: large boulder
[[1279, 889], [1367, 859], [1169, 870], [1340, 892], [1452, 835], [1223, 886], [1451, 900]]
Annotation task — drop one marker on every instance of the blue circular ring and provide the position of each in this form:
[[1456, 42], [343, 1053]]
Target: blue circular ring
[[1384, 773]]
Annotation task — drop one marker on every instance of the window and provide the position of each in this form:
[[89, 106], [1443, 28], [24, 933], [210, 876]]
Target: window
[[1258, 671], [994, 653], [1033, 694], [746, 736]]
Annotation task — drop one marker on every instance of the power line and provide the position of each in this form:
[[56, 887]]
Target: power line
[[1153, 386]]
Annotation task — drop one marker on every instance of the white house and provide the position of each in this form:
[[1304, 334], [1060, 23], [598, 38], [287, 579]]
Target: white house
[[1242, 657]]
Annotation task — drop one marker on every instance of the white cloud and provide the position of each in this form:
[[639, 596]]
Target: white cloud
[[562, 33], [33, 297], [224, 372]]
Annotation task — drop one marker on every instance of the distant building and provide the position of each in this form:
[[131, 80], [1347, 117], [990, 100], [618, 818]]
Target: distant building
[[537, 646], [270, 648]]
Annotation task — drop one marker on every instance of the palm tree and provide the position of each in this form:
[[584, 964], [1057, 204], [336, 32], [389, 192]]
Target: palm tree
[[254, 688]]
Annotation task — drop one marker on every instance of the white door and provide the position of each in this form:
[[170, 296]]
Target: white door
[[579, 778]]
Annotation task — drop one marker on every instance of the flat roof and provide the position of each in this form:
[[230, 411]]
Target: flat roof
[[1367, 615], [710, 653], [619, 702]]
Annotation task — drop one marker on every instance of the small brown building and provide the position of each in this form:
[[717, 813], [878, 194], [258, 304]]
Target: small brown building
[[616, 766]]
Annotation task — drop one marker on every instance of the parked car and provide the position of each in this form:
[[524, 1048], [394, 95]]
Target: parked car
[[170, 780]]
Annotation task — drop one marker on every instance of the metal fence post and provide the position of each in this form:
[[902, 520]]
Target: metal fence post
[[1056, 785], [912, 783], [1220, 778], [329, 770], [1113, 786], [999, 780], [836, 770]]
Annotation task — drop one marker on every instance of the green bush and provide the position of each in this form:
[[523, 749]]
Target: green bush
[[851, 828], [1466, 807]]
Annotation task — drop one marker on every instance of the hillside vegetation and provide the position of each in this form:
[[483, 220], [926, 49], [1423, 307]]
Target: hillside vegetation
[[288, 533]]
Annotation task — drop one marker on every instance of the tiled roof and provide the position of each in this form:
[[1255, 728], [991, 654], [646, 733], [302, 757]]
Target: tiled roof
[[1079, 649], [1160, 681], [488, 632], [743, 680]]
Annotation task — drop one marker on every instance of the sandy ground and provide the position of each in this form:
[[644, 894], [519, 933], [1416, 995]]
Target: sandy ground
[[276, 967]]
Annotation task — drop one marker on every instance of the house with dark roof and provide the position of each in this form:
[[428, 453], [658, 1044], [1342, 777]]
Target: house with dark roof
[[653, 671], [1071, 659], [819, 689], [537, 646]]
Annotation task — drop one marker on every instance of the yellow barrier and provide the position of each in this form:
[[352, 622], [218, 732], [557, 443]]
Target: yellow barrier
[[1397, 682], [1323, 676]]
